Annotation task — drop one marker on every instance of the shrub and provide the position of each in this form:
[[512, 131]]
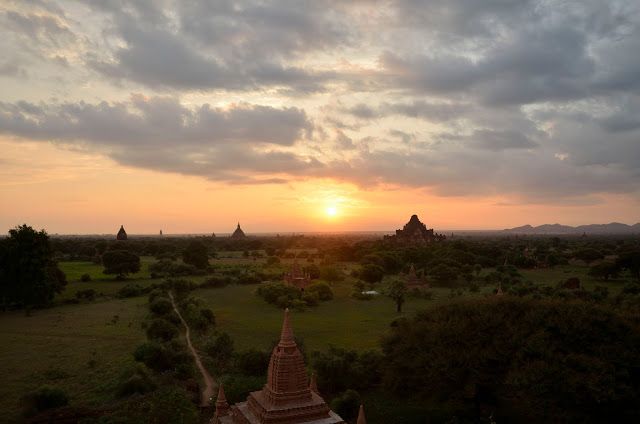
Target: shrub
[[85, 278], [220, 349], [323, 291], [347, 404], [278, 294], [252, 362], [372, 273], [168, 268], [43, 399], [161, 357], [87, 294], [161, 329], [135, 380], [131, 290], [161, 306]]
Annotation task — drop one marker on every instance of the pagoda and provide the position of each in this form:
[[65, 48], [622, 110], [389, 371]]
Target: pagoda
[[413, 281], [415, 232], [122, 234], [238, 233], [297, 277], [287, 398]]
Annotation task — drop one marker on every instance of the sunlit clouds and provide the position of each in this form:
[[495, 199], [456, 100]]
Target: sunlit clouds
[[320, 115]]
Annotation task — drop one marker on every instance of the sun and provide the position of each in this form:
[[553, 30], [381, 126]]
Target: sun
[[331, 211]]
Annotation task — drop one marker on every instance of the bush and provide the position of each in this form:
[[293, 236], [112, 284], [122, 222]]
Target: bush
[[131, 290], [161, 329], [252, 362], [135, 380], [85, 278], [323, 291], [161, 306], [372, 273], [278, 294], [347, 405], [162, 357], [87, 294], [168, 268], [196, 254], [43, 399], [220, 349]]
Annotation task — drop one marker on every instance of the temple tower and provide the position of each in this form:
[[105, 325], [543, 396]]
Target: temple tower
[[288, 397], [122, 234], [238, 233]]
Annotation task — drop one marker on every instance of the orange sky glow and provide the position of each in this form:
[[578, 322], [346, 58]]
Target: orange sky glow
[[322, 116]]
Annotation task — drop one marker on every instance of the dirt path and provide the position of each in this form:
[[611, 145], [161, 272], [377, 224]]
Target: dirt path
[[208, 391]]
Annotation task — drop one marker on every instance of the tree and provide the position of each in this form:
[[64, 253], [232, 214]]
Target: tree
[[196, 254], [397, 291], [120, 262], [555, 361], [220, 349], [604, 270], [372, 273], [28, 274]]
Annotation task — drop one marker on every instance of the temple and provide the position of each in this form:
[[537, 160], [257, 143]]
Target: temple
[[122, 234], [415, 232], [412, 280], [238, 233], [297, 277], [287, 398]]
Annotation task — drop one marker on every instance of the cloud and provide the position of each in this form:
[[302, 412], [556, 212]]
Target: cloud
[[243, 142]]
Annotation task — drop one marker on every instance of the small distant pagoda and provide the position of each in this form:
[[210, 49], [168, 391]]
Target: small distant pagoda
[[122, 234], [297, 277], [412, 280], [238, 233], [287, 398], [415, 232]]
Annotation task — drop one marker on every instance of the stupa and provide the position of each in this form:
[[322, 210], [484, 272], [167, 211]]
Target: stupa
[[413, 281], [122, 234], [238, 233], [297, 277], [287, 398]]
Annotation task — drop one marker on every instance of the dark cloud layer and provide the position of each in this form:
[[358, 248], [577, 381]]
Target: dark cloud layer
[[534, 98]]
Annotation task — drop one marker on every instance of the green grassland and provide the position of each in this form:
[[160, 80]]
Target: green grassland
[[82, 348]]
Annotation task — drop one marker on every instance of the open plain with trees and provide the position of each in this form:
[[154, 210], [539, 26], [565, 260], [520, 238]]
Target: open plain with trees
[[94, 347]]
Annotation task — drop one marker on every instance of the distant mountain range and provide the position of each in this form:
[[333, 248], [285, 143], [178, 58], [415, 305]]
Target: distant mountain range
[[612, 228]]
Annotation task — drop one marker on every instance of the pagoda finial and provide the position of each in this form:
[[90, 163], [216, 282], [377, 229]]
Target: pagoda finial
[[286, 336], [361, 418], [222, 407], [313, 384]]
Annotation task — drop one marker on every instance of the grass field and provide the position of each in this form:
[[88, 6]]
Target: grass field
[[83, 348], [80, 348]]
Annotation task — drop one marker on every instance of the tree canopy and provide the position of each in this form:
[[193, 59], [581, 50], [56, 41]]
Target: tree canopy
[[28, 274], [520, 360], [120, 262]]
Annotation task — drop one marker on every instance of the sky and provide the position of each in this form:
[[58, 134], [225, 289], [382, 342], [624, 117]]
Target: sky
[[323, 115]]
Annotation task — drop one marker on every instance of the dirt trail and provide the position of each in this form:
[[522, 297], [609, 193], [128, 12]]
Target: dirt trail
[[208, 391]]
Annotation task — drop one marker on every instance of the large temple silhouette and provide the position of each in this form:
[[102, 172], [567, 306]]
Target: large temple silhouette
[[415, 232], [289, 397]]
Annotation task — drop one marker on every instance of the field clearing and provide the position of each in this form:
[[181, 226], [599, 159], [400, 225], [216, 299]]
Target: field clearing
[[79, 348]]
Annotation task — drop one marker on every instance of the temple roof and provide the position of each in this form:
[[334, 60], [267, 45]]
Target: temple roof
[[238, 233], [122, 234]]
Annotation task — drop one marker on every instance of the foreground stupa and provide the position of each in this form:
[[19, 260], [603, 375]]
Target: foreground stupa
[[287, 398]]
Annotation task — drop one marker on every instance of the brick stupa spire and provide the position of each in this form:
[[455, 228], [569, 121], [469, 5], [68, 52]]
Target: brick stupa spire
[[361, 418], [287, 398], [222, 407]]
